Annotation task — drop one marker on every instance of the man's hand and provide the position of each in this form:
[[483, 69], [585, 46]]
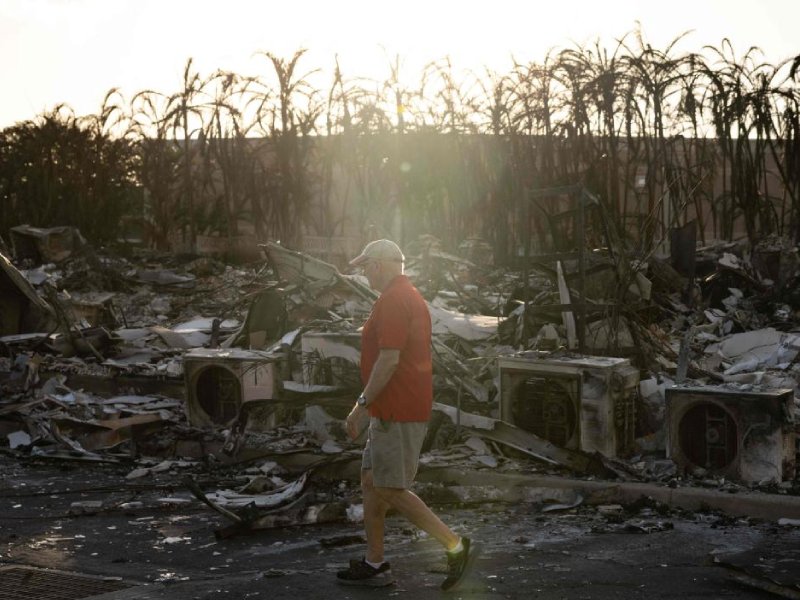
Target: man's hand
[[356, 421]]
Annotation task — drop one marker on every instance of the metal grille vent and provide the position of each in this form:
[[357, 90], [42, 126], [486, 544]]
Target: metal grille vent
[[548, 407], [331, 370], [219, 394], [624, 408], [28, 583], [797, 452], [797, 455], [708, 436]]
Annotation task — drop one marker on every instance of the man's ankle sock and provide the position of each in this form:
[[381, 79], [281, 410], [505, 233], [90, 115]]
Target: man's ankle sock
[[457, 548], [374, 565]]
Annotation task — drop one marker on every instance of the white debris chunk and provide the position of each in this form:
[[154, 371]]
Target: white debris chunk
[[477, 445], [485, 459], [355, 513], [136, 473], [18, 438], [468, 327], [331, 447], [268, 467]]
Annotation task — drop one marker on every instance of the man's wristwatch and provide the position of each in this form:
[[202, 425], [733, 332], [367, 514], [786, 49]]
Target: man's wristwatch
[[362, 401]]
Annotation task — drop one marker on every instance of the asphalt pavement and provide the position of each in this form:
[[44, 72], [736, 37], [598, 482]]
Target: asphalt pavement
[[153, 541]]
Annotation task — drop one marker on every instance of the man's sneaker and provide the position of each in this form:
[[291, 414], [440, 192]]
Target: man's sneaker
[[360, 573], [459, 564]]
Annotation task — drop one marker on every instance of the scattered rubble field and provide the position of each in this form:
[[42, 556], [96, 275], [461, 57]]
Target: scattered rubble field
[[608, 397]]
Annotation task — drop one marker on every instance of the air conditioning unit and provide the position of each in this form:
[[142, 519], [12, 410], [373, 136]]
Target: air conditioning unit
[[580, 403], [331, 358], [220, 381], [748, 436]]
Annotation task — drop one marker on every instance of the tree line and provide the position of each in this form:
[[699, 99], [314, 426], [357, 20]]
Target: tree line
[[454, 153]]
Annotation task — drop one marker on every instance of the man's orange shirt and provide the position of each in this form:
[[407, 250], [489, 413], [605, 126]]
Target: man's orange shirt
[[400, 320]]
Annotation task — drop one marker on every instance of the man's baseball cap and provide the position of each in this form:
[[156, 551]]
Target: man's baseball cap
[[379, 250]]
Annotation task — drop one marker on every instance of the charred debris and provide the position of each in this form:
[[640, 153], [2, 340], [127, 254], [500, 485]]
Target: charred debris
[[232, 380]]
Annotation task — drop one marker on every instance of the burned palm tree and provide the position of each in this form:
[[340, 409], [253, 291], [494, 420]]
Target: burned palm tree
[[355, 130], [287, 114], [655, 77], [185, 112], [735, 100], [105, 203], [495, 108], [157, 166], [227, 196], [774, 103]]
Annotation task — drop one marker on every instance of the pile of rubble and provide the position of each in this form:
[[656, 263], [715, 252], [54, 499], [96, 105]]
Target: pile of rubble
[[610, 370]]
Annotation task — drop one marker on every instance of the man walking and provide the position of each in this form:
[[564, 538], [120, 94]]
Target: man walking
[[397, 369]]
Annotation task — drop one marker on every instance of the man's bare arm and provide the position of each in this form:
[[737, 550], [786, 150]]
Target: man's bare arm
[[382, 371]]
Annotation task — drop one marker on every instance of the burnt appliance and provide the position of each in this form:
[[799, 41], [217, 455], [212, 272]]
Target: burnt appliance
[[579, 402], [331, 358], [219, 382], [748, 435]]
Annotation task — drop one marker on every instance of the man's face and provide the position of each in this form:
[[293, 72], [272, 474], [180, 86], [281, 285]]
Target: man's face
[[370, 270]]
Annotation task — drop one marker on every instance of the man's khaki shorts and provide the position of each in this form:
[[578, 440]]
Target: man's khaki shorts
[[392, 452]]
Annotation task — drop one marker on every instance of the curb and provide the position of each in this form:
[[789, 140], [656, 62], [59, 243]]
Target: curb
[[514, 487]]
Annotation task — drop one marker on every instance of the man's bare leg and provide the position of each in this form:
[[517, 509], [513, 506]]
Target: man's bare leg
[[408, 504], [374, 518]]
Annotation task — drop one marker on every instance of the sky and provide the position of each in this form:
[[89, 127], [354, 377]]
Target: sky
[[74, 51]]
